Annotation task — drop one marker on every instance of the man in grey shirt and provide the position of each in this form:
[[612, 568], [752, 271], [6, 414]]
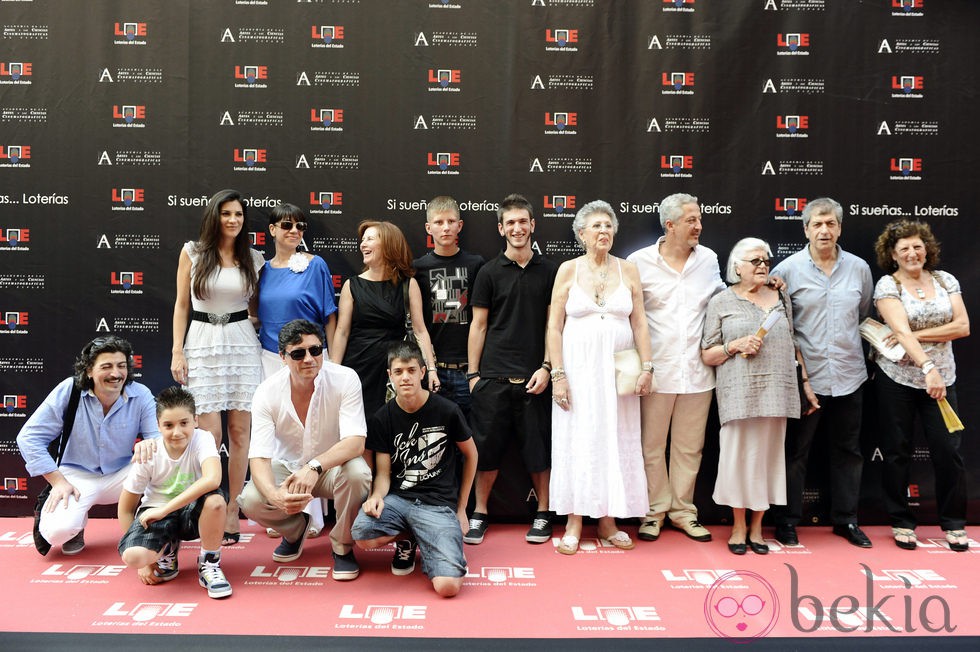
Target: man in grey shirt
[[831, 292]]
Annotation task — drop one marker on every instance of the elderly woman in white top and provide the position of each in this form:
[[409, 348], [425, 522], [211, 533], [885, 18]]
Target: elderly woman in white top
[[756, 390]]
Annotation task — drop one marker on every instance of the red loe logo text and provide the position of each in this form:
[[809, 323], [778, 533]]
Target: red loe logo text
[[790, 204], [130, 29], [134, 195], [129, 111], [250, 155], [15, 402], [444, 75], [443, 159], [792, 122], [678, 79], [12, 318], [19, 152], [561, 36], [564, 202], [251, 72], [126, 278], [19, 69], [801, 40], [913, 491], [257, 237], [674, 161], [907, 82], [906, 165], [15, 484], [338, 281], [15, 235], [327, 31], [324, 199], [137, 361], [903, 4], [566, 119], [328, 116]]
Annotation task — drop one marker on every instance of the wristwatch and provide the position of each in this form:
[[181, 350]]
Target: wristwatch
[[316, 466]]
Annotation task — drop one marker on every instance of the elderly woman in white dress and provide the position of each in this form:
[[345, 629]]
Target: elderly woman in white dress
[[756, 389], [596, 457]]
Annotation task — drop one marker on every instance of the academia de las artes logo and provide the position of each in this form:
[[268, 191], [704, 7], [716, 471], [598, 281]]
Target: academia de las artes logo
[[251, 76], [907, 87], [16, 72], [129, 33], [14, 322], [129, 115], [128, 199], [322, 119], [789, 208], [671, 6], [15, 156], [677, 83], [126, 283], [442, 162], [327, 36], [796, 43], [792, 126], [560, 123], [250, 159], [676, 166], [560, 39], [905, 169], [326, 202], [444, 80], [14, 405], [908, 8], [558, 205], [14, 238]]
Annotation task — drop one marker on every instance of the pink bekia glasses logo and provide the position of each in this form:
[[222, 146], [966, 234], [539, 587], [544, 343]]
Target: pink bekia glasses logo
[[741, 605]]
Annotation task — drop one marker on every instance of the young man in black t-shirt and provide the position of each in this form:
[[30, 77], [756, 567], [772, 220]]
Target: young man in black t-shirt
[[416, 439], [445, 276]]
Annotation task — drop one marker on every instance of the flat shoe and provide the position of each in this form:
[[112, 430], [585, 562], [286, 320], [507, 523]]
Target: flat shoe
[[957, 540], [568, 545], [620, 539], [737, 548], [758, 548], [910, 542]]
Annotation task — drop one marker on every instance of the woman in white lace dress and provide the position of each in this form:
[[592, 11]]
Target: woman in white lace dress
[[596, 457], [217, 355]]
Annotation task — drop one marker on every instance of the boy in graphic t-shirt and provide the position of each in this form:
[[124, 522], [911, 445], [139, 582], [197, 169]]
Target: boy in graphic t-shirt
[[416, 438], [178, 497]]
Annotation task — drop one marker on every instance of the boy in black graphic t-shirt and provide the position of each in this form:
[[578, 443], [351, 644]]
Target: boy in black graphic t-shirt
[[416, 438]]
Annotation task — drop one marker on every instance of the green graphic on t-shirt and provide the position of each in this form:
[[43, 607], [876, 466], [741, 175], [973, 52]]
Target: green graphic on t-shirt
[[176, 483]]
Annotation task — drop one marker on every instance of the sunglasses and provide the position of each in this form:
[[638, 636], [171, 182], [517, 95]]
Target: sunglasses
[[286, 225], [755, 262], [300, 354]]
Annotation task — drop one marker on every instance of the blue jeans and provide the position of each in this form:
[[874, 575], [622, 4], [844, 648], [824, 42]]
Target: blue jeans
[[456, 388], [435, 527]]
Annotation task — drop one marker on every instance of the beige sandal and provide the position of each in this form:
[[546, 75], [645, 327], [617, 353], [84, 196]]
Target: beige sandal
[[905, 538], [957, 540]]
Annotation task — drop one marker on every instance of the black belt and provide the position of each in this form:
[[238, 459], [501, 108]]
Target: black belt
[[509, 380], [452, 365], [219, 320]]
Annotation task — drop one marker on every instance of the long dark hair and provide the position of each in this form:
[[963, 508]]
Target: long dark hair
[[95, 348], [209, 261]]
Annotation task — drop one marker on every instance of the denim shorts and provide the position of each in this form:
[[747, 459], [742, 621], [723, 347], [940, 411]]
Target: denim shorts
[[180, 525], [435, 527]]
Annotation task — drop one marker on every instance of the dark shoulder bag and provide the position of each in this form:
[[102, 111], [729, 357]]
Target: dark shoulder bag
[[57, 449]]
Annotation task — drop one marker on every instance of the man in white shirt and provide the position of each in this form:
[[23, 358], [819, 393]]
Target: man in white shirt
[[679, 276], [308, 432]]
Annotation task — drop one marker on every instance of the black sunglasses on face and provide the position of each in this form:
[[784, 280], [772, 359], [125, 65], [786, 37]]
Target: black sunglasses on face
[[288, 226], [300, 354], [755, 262]]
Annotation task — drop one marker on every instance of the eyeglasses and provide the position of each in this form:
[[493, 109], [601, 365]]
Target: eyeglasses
[[286, 225], [300, 354], [755, 262], [750, 605]]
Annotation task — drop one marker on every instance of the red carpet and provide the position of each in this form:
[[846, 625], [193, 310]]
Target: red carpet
[[514, 590]]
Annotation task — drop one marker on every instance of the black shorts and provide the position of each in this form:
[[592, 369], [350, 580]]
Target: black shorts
[[175, 526], [503, 410]]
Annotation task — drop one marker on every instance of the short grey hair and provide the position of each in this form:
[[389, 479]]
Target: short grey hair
[[597, 206], [672, 207], [820, 206], [741, 248]]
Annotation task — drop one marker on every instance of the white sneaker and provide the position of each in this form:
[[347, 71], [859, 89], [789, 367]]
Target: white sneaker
[[211, 577]]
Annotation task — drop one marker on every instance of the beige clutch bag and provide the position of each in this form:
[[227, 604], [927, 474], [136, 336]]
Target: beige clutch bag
[[628, 370]]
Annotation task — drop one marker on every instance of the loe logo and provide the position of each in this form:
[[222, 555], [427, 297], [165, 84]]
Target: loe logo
[[126, 279], [127, 196], [502, 574], [130, 31], [14, 402], [907, 5], [618, 616], [327, 33], [252, 74], [443, 160], [250, 157], [15, 153], [288, 574], [129, 112], [143, 611], [444, 76], [13, 319], [16, 70], [792, 123], [678, 3], [559, 203], [81, 572], [326, 200], [561, 120], [790, 205], [907, 83], [703, 576], [15, 237], [675, 163], [257, 238], [14, 485], [326, 117], [793, 41], [677, 80], [561, 37], [383, 614], [906, 166]]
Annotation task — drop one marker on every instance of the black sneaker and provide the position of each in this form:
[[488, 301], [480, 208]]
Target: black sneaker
[[211, 577], [540, 531], [345, 567], [403, 563], [286, 551], [165, 568], [478, 528], [74, 545]]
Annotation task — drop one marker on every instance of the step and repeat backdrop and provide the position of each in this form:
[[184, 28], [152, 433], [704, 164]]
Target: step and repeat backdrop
[[118, 119]]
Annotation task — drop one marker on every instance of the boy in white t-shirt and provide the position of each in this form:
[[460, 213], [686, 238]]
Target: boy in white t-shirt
[[179, 498]]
